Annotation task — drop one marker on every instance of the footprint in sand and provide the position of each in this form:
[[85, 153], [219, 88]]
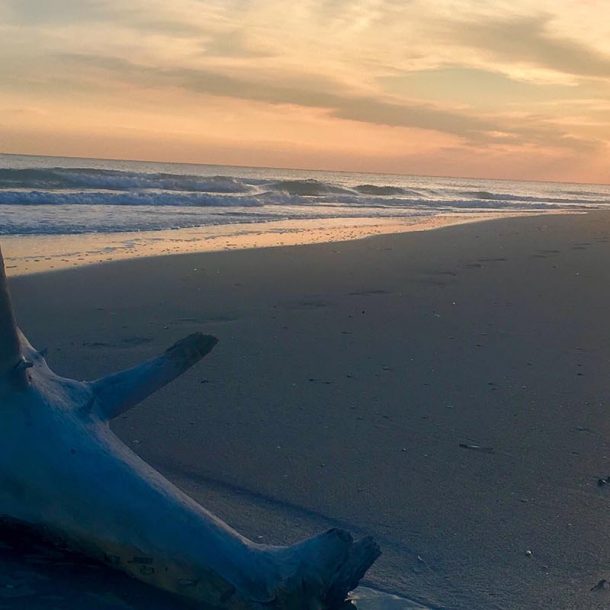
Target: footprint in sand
[[429, 282], [133, 341], [207, 319], [128, 342], [366, 293], [96, 344], [322, 381], [306, 304], [449, 273]]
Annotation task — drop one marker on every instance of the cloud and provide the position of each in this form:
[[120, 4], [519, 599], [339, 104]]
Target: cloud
[[528, 40], [60, 13], [495, 82], [352, 106], [474, 87], [235, 43], [56, 12], [472, 128]]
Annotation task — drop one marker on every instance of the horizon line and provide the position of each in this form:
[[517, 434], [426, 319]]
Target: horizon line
[[301, 169]]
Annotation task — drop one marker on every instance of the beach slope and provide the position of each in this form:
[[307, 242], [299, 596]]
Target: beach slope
[[443, 391]]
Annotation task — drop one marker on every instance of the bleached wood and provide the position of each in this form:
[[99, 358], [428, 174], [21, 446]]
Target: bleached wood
[[62, 469], [116, 393], [10, 355]]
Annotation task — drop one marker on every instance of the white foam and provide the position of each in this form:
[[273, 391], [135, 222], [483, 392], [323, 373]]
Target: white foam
[[42, 195]]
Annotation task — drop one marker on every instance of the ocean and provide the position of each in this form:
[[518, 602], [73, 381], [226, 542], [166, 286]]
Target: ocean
[[107, 199]]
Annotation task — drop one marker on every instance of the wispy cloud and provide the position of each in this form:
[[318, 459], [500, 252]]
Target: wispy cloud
[[57, 12], [140, 15], [529, 39], [502, 77], [323, 94], [287, 90], [236, 43]]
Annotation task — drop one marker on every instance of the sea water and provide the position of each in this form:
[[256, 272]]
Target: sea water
[[126, 207]]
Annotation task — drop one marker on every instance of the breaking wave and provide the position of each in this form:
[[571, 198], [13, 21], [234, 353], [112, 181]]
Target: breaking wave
[[124, 198], [109, 179], [567, 198], [40, 195]]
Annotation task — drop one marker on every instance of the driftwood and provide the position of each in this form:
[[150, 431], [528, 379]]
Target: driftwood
[[63, 470]]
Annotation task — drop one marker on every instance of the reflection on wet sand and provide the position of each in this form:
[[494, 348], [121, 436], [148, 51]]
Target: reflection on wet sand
[[26, 254]]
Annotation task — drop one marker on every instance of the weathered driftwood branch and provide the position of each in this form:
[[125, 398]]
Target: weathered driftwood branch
[[10, 354], [61, 468], [116, 393]]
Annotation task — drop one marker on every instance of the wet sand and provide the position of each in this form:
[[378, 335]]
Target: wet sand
[[445, 391], [25, 254]]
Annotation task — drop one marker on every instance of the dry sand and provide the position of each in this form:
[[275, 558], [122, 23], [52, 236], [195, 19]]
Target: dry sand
[[446, 391]]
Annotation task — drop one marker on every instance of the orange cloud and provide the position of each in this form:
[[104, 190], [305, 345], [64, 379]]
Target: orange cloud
[[449, 88]]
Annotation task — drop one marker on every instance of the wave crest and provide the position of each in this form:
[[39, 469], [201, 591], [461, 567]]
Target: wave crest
[[129, 198], [116, 180]]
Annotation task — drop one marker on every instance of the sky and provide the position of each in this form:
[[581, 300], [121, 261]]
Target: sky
[[514, 89]]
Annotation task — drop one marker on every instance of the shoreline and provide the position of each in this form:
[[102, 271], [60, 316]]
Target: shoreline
[[58, 252], [444, 391]]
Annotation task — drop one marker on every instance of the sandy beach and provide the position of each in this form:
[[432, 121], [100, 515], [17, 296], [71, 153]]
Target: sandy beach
[[445, 391]]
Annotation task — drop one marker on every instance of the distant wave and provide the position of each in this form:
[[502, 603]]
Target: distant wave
[[116, 180], [128, 187], [355, 203], [307, 188], [373, 189], [124, 198], [118, 196], [569, 200], [161, 199]]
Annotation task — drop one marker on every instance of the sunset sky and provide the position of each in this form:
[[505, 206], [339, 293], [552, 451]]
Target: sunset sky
[[517, 89]]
